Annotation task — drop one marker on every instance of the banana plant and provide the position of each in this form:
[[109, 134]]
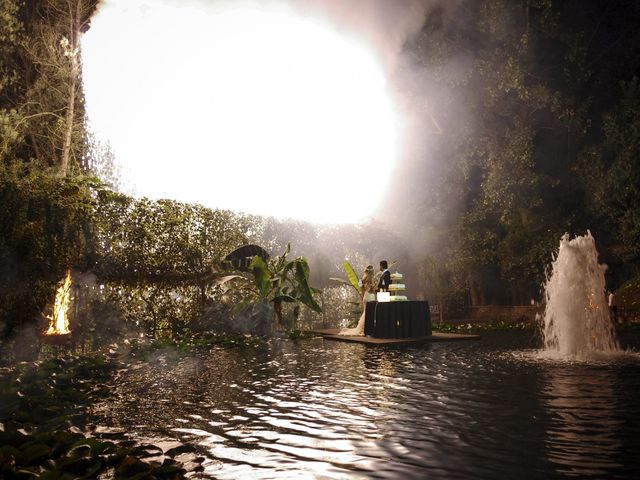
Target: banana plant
[[279, 280], [352, 277]]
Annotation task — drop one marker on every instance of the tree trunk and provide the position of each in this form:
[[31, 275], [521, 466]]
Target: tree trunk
[[324, 318], [277, 307], [203, 297], [475, 293], [441, 308], [66, 149], [74, 45]]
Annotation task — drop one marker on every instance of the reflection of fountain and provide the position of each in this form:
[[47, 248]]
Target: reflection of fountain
[[583, 436], [576, 317]]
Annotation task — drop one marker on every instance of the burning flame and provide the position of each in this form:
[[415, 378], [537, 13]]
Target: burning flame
[[59, 322]]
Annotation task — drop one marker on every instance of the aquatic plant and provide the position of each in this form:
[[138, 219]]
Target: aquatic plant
[[44, 429], [280, 280], [352, 277]]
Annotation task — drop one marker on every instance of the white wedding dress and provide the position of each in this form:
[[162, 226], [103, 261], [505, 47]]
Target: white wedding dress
[[358, 330]]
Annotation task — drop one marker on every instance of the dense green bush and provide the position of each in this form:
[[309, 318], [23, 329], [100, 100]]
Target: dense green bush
[[162, 241], [157, 261], [45, 226]]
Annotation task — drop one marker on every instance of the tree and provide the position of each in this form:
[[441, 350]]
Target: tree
[[45, 227], [435, 275], [11, 37], [610, 173], [101, 161], [508, 136], [53, 117], [280, 280]]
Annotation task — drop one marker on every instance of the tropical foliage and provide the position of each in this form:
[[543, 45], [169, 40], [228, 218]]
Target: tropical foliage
[[280, 280], [536, 102], [352, 277]]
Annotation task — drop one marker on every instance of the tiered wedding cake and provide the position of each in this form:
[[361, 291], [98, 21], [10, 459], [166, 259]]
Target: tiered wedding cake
[[395, 288]]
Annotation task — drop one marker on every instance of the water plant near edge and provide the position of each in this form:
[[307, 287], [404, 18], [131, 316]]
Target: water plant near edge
[[353, 280], [44, 432], [352, 277], [279, 280]]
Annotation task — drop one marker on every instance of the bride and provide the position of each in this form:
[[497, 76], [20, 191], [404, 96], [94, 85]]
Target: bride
[[369, 285]]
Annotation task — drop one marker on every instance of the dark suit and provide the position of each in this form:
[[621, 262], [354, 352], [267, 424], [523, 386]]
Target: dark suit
[[385, 281]]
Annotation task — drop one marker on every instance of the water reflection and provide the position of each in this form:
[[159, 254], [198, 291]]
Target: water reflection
[[335, 410], [583, 435]]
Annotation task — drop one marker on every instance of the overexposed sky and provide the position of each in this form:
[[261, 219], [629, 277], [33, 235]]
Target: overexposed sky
[[242, 105]]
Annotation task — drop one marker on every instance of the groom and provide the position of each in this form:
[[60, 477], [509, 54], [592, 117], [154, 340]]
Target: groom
[[385, 278]]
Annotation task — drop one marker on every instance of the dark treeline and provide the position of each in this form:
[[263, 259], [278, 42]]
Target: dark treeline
[[42, 114], [529, 129], [45, 193]]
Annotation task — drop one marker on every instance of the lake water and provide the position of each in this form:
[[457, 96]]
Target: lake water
[[323, 409]]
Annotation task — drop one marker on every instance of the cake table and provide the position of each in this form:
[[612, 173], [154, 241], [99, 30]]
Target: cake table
[[405, 319]]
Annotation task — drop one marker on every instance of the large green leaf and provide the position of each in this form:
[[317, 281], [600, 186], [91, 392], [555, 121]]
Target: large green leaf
[[225, 279], [281, 261], [304, 290], [285, 298], [261, 275], [352, 275], [341, 280], [288, 266], [304, 265]]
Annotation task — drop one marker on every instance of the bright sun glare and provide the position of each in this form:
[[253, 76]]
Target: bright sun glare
[[249, 108]]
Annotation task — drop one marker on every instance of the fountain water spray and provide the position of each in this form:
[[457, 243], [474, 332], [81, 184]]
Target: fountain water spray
[[577, 322]]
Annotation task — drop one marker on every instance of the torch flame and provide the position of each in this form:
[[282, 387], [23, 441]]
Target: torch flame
[[59, 322]]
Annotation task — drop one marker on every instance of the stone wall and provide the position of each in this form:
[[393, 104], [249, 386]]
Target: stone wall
[[522, 313], [501, 313]]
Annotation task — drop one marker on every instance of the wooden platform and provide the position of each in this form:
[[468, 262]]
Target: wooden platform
[[332, 334]]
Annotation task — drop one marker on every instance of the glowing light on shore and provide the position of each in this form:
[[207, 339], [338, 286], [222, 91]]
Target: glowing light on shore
[[247, 106], [59, 321]]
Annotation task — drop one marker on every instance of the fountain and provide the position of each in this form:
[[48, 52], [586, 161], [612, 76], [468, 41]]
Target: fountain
[[577, 323]]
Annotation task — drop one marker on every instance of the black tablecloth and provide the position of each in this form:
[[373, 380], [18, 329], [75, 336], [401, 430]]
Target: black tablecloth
[[408, 319]]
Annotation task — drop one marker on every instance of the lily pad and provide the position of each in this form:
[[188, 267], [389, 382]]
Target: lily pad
[[147, 450], [34, 453], [169, 471], [131, 467], [80, 451], [9, 450], [83, 467], [12, 437], [50, 475], [181, 449]]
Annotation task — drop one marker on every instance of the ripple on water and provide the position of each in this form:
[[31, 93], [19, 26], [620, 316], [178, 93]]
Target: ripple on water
[[484, 409]]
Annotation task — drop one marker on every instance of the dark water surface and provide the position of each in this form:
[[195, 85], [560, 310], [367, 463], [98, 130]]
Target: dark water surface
[[322, 409]]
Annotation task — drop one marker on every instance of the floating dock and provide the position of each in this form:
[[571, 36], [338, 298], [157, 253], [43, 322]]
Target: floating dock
[[332, 334]]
